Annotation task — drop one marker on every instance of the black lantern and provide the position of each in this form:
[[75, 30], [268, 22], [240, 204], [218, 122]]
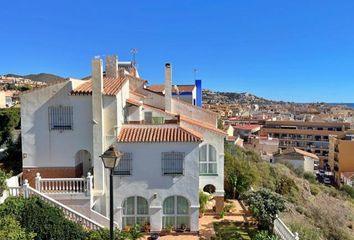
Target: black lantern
[[110, 159]]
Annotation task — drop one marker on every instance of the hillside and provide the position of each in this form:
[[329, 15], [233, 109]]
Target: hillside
[[316, 211], [41, 77], [211, 97]]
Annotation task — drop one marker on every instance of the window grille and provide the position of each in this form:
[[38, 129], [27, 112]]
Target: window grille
[[172, 163], [60, 118], [125, 165]]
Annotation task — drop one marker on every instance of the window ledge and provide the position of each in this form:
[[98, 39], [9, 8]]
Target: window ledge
[[208, 174]]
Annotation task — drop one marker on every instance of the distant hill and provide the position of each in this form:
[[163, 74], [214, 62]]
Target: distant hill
[[42, 77], [232, 97]]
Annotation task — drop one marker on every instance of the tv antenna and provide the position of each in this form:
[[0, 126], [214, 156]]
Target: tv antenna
[[195, 71], [134, 51]]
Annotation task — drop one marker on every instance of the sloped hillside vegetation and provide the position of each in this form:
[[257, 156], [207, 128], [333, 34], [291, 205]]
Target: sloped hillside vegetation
[[314, 210]]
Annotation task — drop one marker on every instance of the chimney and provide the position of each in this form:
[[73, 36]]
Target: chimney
[[112, 67], [97, 121], [168, 87]]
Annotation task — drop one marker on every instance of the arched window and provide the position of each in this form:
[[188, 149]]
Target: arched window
[[135, 211], [207, 159], [176, 212]]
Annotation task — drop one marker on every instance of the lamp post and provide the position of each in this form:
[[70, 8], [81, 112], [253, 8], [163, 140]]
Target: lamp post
[[110, 159]]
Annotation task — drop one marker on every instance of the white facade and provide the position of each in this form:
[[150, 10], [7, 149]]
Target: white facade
[[57, 146]]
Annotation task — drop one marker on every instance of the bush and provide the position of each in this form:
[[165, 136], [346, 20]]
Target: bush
[[349, 190], [9, 120], [265, 205], [309, 176], [203, 200], [265, 235], [10, 229], [314, 189], [46, 221], [240, 173], [3, 184]]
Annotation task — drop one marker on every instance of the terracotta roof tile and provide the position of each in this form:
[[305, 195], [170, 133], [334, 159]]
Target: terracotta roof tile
[[158, 133], [111, 86]]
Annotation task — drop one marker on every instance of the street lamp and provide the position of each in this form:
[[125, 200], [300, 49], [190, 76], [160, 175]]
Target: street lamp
[[110, 159]]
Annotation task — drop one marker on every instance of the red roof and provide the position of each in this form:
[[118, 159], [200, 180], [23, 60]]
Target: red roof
[[157, 133], [111, 86]]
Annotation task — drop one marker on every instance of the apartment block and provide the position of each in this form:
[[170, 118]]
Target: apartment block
[[312, 137], [341, 156]]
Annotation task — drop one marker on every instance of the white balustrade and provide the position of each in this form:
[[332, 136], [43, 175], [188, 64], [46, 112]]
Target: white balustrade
[[15, 191], [283, 231], [68, 212], [64, 185]]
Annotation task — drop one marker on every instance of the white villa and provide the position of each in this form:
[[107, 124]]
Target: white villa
[[172, 148]]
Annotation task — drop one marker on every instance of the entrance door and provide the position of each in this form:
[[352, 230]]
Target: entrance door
[[83, 158]]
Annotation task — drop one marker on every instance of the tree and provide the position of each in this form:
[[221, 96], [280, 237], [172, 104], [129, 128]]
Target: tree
[[12, 159], [3, 183], [9, 120], [265, 205], [240, 174], [10, 229], [37, 216]]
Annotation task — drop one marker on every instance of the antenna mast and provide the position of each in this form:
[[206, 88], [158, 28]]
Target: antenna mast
[[195, 70], [134, 51]]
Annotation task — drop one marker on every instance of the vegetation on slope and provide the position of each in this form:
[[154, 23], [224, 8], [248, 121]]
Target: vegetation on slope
[[314, 210]]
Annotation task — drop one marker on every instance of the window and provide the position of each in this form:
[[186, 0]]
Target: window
[[172, 163], [60, 118], [207, 160], [135, 211], [148, 117], [158, 120], [176, 212], [125, 165]]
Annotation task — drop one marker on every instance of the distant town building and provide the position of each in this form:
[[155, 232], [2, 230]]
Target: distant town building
[[264, 145], [245, 131], [297, 158], [341, 157], [312, 137]]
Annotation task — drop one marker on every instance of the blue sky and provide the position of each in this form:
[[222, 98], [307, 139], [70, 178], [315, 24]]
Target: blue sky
[[283, 50]]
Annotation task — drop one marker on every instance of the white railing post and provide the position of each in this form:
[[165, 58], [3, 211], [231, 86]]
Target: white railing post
[[296, 236], [25, 189], [89, 186], [38, 181]]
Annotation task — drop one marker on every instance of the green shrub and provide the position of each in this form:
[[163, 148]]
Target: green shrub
[[228, 207], [39, 217], [3, 184], [10, 229], [203, 200], [349, 190], [314, 189], [265, 205], [9, 120], [265, 235], [309, 176]]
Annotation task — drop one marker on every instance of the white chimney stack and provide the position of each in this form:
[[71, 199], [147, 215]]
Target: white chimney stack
[[112, 67], [168, 87], [97, 121]]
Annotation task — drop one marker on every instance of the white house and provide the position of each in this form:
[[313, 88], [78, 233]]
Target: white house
[[298, 158], [172, 149]]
